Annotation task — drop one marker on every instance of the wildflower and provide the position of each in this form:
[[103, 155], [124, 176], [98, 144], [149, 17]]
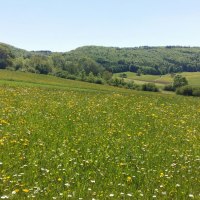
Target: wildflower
[[4, 197], [111, 195], [67, 184], [25, 190], [191, 195], [15, 191], [59, 179], [161, 174], [129, 179]]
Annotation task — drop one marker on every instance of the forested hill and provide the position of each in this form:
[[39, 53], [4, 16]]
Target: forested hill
[[151, 60], [96, 59]]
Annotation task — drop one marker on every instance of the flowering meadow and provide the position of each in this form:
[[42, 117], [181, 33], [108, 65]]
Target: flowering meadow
[[58, 143]]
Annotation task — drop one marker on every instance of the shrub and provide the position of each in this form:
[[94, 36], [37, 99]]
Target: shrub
[[62, 74], [185, 90], [188, 91], [123, 75], [179, 81], [71, 77], [169, 88], [130, 85], [150, 87], [196, 92], [98, 81]]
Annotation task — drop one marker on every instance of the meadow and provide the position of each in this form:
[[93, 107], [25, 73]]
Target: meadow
[[192, 77], [62, 139]]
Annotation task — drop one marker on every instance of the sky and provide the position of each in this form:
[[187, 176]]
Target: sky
[[63, 25]]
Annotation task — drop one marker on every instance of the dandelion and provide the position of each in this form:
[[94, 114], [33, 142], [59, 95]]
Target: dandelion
[[161, 174], [25, 190], [129, 179]]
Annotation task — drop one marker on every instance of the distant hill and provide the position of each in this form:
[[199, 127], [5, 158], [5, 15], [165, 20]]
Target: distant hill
[[98, 60]]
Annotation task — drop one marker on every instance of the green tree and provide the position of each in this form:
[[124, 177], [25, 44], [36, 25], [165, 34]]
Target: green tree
[[139, 72], [91, 77], [5, 57], [179, 81], [83, 75], [41, 63], [107, 75]]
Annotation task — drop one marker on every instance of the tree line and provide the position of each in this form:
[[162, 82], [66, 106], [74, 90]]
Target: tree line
[[101, 62]]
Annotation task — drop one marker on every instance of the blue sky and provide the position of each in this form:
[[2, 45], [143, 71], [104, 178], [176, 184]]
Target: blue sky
[[62, 25]]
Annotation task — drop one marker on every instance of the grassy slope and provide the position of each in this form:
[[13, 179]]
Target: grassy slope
[[90, 141], [30, 79]]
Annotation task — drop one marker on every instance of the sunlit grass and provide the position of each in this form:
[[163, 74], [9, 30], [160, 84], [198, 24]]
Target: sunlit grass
[[192, 77], [110, 144]]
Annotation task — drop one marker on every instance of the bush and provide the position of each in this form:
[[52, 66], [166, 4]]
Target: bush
[[188, 91], [61, 74], [150, 87], [179, 81], [71, 77], [169, 88], [185, 90], [98, 81], [123, 75], [196, 92], [130, 85]]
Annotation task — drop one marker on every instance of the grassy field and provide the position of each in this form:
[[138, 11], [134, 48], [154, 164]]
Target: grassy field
[[192, 77], [63, 139], [30, 79]]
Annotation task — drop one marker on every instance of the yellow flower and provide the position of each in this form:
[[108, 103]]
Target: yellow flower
[[59, 179], [25, 190], [129, 179], [16, 190], [161, 174]]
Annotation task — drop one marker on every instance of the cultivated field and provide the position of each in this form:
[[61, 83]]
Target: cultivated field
[[63, 139]]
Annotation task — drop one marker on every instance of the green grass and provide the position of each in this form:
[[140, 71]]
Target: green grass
[[192, 77], [30, 79], [98, 142]]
